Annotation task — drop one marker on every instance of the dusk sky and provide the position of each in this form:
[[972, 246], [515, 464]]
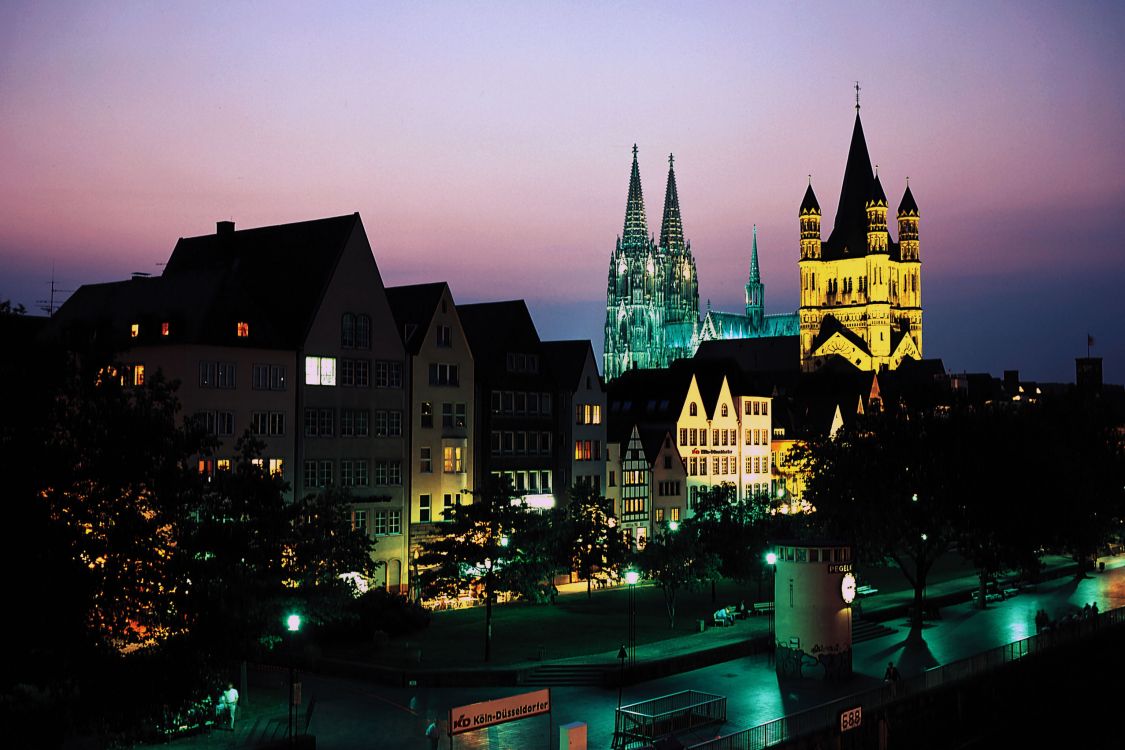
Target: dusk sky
[[489, 145]]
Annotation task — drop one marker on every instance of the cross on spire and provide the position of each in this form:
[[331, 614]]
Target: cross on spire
[[634, 151], [857, 96]]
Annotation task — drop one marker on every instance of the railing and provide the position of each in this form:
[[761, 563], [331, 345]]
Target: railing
[[649, 720], [828, 715]]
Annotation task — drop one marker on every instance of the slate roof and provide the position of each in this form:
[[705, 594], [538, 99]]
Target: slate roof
[[849, 232], [413, 307], [284, 270], [494, 328], [771, 353], [566, 360]]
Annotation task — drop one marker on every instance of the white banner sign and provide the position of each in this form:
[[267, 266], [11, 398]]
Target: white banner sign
[[489, 713]]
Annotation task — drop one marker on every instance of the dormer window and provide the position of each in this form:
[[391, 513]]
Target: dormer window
[[165, 328], [134, 330], [243, 329]]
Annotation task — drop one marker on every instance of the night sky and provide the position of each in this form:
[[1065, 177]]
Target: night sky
[[489, 144]]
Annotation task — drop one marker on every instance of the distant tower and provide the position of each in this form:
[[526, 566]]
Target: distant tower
[[676, 269], [755, 290]]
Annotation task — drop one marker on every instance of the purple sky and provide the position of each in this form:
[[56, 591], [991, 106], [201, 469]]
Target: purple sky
[[488, 144]]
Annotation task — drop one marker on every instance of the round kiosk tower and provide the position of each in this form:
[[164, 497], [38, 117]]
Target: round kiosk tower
[[813, 589]]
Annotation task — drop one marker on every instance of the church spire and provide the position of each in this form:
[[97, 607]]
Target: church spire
[[755, 274], [755, 291], [636, 225], [672, 227]]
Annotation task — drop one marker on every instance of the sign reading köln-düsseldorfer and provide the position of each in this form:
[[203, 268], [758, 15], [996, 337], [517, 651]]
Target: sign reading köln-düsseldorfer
[[487, 713]]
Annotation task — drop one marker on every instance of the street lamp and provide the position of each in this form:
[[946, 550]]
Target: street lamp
[[631, 578], [771, 561], [673, 525], [293, 625]]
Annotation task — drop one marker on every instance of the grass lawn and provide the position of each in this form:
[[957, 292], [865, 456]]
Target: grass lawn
[[574, 626]]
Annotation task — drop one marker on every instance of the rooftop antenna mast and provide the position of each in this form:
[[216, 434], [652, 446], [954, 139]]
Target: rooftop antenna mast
[[48, 305]]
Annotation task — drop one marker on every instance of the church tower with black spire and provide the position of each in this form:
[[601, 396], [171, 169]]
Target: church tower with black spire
[[860, 290]]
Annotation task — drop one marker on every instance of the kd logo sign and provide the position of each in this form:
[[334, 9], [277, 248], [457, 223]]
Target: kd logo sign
[[462, 722]]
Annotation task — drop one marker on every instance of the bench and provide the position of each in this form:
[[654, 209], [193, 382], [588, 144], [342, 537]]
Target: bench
[[866, 590], [760, 608]]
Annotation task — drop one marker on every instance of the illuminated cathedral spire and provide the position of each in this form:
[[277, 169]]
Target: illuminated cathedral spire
[[672, 227], [636, 225], [755, 289]]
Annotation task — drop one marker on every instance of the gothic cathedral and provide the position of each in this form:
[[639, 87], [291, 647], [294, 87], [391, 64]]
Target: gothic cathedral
[[861, 292], [652, 298]]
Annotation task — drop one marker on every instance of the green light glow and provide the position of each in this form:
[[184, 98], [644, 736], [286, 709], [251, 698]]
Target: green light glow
[[293, 622], [771, 558], [631, 577]]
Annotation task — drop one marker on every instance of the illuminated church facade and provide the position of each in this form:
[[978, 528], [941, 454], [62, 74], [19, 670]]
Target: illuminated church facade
[[861, 292]]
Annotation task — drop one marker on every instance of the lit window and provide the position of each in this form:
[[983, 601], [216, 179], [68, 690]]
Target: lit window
[[135, 330], [138, 374], [276, 466], [320, 371], [223, 464], [452, 460], [165, 329], [243, 329]]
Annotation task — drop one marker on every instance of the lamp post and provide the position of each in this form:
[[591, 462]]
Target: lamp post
[[631, 578], [771, 561], [621, 654], [293, 625]]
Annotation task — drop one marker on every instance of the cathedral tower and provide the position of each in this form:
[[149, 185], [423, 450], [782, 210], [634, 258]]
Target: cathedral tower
[[652, 294], [860, 290]]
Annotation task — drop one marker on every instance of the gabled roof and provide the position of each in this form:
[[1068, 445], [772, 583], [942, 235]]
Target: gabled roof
[[497, 327], [829, 326], [567, 359], [413, 307], [284, 270]]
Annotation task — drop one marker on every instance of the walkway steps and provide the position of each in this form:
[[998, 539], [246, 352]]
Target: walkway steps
[[866, 630], [565, 674]]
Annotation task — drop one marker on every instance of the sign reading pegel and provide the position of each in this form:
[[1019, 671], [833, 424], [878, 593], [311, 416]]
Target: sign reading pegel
[[488, 713]]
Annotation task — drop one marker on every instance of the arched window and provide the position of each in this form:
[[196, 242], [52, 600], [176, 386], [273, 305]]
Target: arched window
[[724, 410], [693, 409], [347, 331]]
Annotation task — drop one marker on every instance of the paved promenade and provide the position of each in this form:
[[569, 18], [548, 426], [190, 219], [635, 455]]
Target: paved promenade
[[353, 714]]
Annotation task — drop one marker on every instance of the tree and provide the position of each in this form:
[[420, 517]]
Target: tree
[[884, 483], [675, 560], [594, 542], [734, 530], [476, 551], [118, 487]]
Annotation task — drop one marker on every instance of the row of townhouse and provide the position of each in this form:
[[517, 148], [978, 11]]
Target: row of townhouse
[[676, 431], [399, 395]]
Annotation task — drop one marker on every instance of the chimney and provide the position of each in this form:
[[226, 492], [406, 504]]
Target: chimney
[[224, 227]]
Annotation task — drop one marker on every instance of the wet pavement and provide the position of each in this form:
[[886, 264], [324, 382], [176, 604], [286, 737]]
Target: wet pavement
[[351, 714]]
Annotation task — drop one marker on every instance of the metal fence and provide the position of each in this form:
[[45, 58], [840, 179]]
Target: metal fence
[[828, 715], [647, 721]]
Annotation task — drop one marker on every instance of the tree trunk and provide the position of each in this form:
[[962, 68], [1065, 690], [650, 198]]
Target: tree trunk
[[916, 620], [589, 587]]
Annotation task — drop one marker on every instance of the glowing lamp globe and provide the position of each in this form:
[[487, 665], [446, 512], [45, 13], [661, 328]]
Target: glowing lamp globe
[[631, 577], [293, 622], [771, 559]]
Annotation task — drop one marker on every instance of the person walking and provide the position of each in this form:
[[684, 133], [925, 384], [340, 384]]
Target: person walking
[[892, 677], [433, 734], [230, 699]]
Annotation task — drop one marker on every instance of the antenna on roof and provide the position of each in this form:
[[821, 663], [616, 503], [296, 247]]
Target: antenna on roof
[[48, 305]]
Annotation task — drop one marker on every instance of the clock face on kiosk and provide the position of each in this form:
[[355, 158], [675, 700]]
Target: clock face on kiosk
[[847, 588]]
